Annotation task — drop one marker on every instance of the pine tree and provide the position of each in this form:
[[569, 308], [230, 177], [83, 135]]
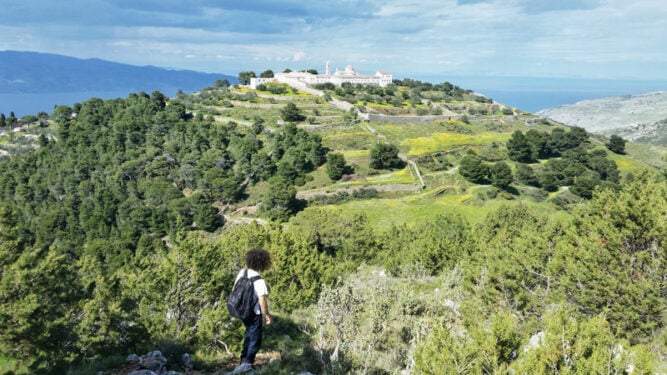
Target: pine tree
[[279, 202], [510, 264], [568, 343], [501, 175], [474, 170], [335, 166], [519, 149], [291, 113], [616, 144], [385, 156], [614, 258]]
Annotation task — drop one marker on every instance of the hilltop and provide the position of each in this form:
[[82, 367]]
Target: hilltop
[[433, 126], [33, 72], [434, 129]]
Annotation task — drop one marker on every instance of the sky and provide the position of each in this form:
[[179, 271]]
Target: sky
[[601, 39]]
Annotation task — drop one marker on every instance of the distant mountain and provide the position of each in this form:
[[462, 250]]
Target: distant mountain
[[33, 72], [641, 118]]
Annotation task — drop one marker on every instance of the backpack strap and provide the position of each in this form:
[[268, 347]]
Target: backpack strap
[[252, 279], [255, 278]]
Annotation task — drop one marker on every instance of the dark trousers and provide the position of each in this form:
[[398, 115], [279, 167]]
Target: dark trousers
[[253, 338]]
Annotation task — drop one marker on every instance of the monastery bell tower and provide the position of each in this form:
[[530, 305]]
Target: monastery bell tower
[[328, 68]]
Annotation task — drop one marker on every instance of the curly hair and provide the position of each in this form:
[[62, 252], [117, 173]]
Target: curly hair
[[258, 259]]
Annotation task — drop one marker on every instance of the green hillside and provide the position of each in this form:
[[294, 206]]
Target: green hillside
[[417, 227], [460, 123]]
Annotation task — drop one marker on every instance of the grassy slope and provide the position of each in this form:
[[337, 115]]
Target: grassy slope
[[383, 213], [446, 191]]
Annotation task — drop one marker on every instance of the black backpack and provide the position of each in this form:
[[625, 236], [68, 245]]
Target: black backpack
[[241, 302]]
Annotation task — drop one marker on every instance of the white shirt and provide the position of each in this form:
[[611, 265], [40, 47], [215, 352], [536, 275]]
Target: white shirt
[[260, 287]]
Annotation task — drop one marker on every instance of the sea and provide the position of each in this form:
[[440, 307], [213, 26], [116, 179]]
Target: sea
[[23, 104], [525, 93], [534, 94]]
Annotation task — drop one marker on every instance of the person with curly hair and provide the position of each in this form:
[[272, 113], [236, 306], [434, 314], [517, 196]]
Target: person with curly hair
[[257, 260]]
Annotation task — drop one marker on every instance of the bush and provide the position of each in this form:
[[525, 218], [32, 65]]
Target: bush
[[501, 175], [474, 170], [385, 156], [291, 113], [616, 145], [526, 175], [335, 166]]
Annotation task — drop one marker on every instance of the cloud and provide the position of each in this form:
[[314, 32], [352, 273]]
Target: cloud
[[298, 56], [408, 37], [537, 6]]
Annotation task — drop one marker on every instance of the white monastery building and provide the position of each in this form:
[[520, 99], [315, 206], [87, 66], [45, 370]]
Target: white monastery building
[[338, 78]]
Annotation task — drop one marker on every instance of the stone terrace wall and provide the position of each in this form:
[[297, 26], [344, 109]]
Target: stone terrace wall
[[409, 119]]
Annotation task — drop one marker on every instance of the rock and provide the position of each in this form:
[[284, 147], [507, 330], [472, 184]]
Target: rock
[[154, 361], [244, 368], [453, 306], [535, 341], [187, 362]]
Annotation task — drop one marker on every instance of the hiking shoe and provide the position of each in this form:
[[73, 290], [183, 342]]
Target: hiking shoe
[[243, 368]]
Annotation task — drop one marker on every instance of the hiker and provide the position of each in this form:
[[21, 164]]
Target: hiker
[[257, 260]]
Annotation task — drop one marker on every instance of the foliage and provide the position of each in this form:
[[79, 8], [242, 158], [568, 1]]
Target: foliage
[[336, 166], [474, 170], [112, 240], [482, 350], [38, 295], [438, 142], [616, 144], [385, 156], [514, 249], [298, 151], [434, 246], [337, 314], [279, 202], [519, 149], [571, 345], [433, 162], [582, 170], [501, 175], [244, 77], [89, 207], [526, 175], [291, 113], [612, 260], [344, 196], [267, 74], [534, 145]]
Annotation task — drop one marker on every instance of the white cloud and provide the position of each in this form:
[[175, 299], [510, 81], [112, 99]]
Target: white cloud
[[407, 37]]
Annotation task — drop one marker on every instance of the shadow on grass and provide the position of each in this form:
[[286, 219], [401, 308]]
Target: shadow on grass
[[287, 338]]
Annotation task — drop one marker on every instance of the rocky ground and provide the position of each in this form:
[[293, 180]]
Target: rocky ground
[[601, 115], [155, 363]]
